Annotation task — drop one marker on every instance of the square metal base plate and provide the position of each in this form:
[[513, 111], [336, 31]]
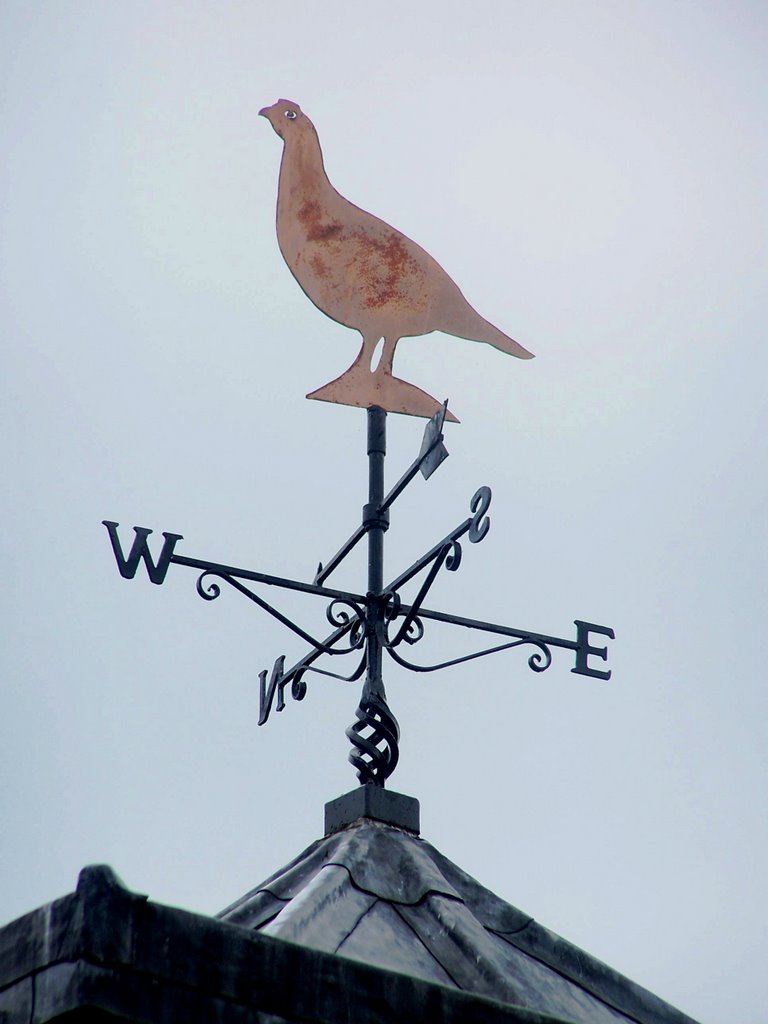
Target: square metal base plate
[[372, 802]]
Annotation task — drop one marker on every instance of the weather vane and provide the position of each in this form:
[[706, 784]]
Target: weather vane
[[366, 275]]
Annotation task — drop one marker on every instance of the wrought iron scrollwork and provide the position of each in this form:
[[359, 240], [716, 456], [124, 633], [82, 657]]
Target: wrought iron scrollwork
[[453, 556], [539, 661], [350, 623], [378, 620], [208, 591], [476, 526], [377, 623], [411, 632], [351, 678], [279, 679], [337, 615]]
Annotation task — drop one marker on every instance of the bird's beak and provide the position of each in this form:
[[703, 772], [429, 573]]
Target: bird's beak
[[263, 112]]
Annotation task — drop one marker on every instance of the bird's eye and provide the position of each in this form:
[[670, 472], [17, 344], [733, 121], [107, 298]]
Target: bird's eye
[[290, 114]]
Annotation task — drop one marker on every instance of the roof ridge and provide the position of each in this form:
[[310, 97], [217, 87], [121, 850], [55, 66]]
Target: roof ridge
[[352, 930], [639, 1003], [423, 943]]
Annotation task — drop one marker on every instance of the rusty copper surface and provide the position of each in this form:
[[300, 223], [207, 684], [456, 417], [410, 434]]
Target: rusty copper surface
[[364, 274]]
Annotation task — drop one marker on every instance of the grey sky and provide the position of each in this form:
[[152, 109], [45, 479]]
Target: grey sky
[[593, 177]]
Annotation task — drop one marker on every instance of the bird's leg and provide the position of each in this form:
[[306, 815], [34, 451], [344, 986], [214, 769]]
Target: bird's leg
[[387, 356], [365, 355]]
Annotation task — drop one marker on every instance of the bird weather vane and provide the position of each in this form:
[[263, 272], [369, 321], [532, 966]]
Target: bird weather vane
[[366, 275]]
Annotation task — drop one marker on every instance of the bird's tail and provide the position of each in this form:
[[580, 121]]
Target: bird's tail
[[493, 336], [465, 322]]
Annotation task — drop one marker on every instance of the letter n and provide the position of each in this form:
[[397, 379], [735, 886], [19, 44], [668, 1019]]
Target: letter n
[[140, 550], [277, 683]]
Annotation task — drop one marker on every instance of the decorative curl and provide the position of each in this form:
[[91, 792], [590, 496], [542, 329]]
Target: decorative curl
[[340, 617], [393, 601], [337, 615], [298, 686], [413, 632], [208, 591], [453, 558], [540, 660]]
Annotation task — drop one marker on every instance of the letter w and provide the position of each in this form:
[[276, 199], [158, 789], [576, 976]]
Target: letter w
[[140, 550]]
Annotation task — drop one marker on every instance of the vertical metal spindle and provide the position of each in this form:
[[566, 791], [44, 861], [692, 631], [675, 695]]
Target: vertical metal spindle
[[377, 450], [373, 764], [377, 525]]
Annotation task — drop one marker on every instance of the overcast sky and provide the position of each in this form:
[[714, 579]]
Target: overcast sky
[[593, 177]]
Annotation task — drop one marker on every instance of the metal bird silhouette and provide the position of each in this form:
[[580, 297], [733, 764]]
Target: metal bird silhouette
[[364, 274]]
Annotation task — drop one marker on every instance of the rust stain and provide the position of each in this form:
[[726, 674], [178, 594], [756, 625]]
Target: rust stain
[[310, 211], [322, 232], [311, 215], [319, 266], [385, 266]]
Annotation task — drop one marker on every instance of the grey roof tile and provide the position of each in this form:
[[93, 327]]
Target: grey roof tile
[[483, 963], [324, 913], [379, 937], [375, 893], [259, 909]]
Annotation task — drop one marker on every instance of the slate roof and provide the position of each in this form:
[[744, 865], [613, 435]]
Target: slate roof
[[105, 955], [376, 893]]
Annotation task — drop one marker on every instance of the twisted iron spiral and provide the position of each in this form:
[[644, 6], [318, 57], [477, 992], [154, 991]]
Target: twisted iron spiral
[[374, 738]]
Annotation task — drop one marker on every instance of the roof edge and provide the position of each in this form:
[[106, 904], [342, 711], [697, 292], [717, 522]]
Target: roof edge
[[107, 951]]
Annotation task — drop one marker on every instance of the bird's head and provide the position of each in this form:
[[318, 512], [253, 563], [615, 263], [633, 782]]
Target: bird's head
[[286, 118]]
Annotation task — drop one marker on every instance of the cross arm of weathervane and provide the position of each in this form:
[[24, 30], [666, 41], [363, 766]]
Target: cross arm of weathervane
[[433, 453], [378, 620], [210, 572]]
